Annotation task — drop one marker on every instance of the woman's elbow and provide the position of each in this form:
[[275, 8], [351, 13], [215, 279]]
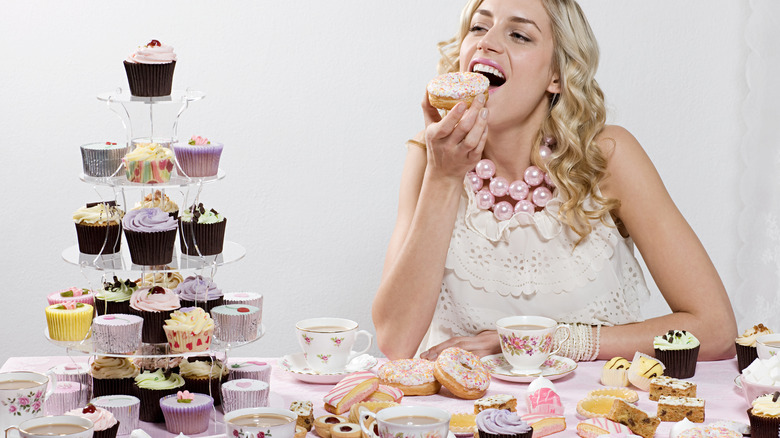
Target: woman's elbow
[[388, 339], [719, 342]]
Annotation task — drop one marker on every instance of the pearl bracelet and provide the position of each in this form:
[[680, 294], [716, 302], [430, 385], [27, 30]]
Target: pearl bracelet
[[582, 345]]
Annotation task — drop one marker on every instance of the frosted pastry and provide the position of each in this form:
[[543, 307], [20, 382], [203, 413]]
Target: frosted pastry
[[72, 294], [158, 199], [150, 388], [99, 228], [595, 427], [445, 91], [244, 393], [643, 369], [189, 329], [116, 333], [150, 69], [678, 350], [150, 234], [235, 323], [153, 304], [541, 398], [205, 376], [497, 423], [201, 231], [198, 157], [254, 369], [200, 291], [746, 345], [636, 419], [496, 401], [615, 371], [66, 396], [672, 408], [125, 409], [386, 393], [114, 297], [186, 413], [350, 390], [104, 423], [102, 159], [544, 424], [664, 385], [148, 163], [69, 321]]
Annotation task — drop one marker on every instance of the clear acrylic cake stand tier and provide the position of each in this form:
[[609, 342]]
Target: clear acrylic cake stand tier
[[217, 346], [231, 252], [121, 95], [177, 181]]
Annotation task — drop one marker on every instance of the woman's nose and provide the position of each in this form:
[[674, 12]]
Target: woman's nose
[[489, 41]]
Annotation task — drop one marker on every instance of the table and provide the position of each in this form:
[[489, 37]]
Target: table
[[715, 381]]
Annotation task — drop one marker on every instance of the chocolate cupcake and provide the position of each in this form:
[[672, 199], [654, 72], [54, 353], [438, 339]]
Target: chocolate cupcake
[[112, 376], [500, 423], [160, 200], [199, 291], [105, 424], [153, 304], [201, 231], [205, 376], [124, 408], [746, 345], [150, 234], [678, 350], [115, 296], [99, 228], [150, 388], [150, 70], [764, 415]]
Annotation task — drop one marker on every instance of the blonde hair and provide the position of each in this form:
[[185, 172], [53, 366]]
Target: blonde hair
[[577, 115]]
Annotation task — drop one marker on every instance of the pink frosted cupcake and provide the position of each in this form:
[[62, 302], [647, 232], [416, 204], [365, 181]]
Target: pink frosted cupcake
[[125, 409], [186, 412], [73, 294], [153, 304], [198, 157], [106, 425], [150, 69]]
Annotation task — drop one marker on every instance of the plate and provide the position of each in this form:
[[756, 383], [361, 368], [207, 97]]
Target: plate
[[296, 365], [554, 368]]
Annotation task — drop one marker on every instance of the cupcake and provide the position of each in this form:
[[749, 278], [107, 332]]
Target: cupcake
[[244, 393], [614, 372], [66, 396], [499, 423], [187, 412], [201, 231], [105, 425], [151, 387], [99, 228], [114, 297], [678, 350], [150, 234], [160, 200], [102, 159], [116, 333], [250, 298], [125, 409], [148, 163], [112, 376], [198, 157], [643, 368], [746, 345], [199, 291], [153, 304], [73, 294], [204, 376], [189, 330], [74, 372], [69, 321], [255, 370], [764, 415], [150, 70], [166, 279], [235, 323]]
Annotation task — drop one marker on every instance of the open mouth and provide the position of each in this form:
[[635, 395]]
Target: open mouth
[[495, 76]]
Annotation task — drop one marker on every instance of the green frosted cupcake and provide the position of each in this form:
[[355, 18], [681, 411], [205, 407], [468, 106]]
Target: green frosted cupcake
[[151, 387], [678, 350], [114, 297]]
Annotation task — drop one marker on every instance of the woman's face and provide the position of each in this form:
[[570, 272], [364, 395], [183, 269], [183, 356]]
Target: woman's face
[[511, 42]]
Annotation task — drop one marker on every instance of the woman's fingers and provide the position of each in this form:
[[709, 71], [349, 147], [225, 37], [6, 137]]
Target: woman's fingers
[[430, 113]]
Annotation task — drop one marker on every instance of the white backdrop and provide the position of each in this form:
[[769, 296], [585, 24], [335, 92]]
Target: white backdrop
[[314, 101]]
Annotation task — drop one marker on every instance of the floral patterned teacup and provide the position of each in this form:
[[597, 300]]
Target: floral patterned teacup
[[260, 423], [66, 426], [22, 394], [407, 422], [768, 345], [527, 341], [327, 343]]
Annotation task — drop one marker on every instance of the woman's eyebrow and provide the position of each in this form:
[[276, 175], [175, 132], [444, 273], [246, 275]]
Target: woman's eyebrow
[[522, 20]]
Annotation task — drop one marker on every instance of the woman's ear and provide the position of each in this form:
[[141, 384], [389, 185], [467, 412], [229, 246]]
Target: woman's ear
[[555, 84]]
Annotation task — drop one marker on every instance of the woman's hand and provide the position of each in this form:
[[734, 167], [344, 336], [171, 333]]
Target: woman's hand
[[483, 344], [455, 142]]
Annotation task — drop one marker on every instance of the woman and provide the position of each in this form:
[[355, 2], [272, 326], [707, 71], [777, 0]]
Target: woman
[[452, 268]]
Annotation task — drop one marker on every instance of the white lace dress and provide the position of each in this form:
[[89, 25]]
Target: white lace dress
[[529, 265]]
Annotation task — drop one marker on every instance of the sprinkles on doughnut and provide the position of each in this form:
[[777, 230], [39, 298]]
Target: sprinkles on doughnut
[[445, 91], [412, 376], [462, 373]]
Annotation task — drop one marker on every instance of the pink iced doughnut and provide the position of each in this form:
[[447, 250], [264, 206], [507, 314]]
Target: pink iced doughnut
[[462, 373], [446, 90], [412, 376]]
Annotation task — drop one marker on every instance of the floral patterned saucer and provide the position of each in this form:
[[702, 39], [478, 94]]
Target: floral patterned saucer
[[554, 368], [296, 365]]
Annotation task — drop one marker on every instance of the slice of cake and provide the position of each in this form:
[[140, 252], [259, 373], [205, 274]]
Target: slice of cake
[[665, 385], [305, 411], [595, 427], [671, 408], [544, 424], [386, 393], [350, 390], [636, 419], [497, 401]]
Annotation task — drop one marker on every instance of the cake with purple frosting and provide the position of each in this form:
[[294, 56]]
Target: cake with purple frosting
[[199, 291], [186, 412], [198, 157], [150, 234], [500, 423], [116, 333]]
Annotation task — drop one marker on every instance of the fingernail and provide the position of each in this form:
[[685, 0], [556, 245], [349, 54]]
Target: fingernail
[[481, 98], [483, 113]]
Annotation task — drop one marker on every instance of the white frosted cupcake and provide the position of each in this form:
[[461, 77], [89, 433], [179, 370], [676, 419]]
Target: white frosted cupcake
[[66, 396], [116, 333], [235, 322], [125, 409], [244, 393], [253, 369], [245, 298]]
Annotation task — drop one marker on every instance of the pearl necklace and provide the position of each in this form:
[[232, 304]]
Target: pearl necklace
[[530, 193]]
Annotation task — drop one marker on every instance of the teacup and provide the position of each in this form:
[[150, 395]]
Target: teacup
[[22, 395], [407, 422], [768, 345], [69, 426], [327, 342], [527, 341], [259, 422]]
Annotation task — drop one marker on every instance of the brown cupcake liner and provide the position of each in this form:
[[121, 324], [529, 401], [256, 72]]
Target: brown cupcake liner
[[679, 364], [152, 331], [150, 80], [101, 387], [763, 427], [205, 305], [528, 434], [107, 433], [150, 403], [104, 307], [206, 385], [201, 239], [745, 356], [92, 238], [151, 248]]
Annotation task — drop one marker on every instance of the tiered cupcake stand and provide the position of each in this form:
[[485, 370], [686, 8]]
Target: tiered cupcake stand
[[145, 114]]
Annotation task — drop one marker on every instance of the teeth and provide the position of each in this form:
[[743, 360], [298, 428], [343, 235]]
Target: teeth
[[482, 68]]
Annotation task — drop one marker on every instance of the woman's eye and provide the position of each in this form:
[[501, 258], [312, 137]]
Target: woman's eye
[[519, 37], [477, 29]]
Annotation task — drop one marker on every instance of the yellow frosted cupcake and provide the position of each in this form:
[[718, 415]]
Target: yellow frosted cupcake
[[189, 329], [149, 163], [69, 321]]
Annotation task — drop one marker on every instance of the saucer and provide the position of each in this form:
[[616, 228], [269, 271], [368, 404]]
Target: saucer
[[296, 365], [554, 368]]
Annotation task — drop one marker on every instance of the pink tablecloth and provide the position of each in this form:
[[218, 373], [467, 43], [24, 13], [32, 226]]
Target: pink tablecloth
[[715, 381]]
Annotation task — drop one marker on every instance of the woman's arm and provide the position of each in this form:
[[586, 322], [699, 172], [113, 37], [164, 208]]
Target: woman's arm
[[431, 184], [674, 256]]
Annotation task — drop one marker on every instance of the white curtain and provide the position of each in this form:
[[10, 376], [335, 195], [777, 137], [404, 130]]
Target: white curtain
[[758, 297]]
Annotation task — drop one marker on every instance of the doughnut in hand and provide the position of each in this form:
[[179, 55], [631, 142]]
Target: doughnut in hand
[[445, 91]]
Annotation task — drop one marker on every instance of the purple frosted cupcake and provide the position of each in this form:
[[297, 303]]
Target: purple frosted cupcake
[[201, 231], [199, 291], [153, 304], [186, 412], [500, 423], [198, 157], [117, 333], [150, 234], [150, 70]]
